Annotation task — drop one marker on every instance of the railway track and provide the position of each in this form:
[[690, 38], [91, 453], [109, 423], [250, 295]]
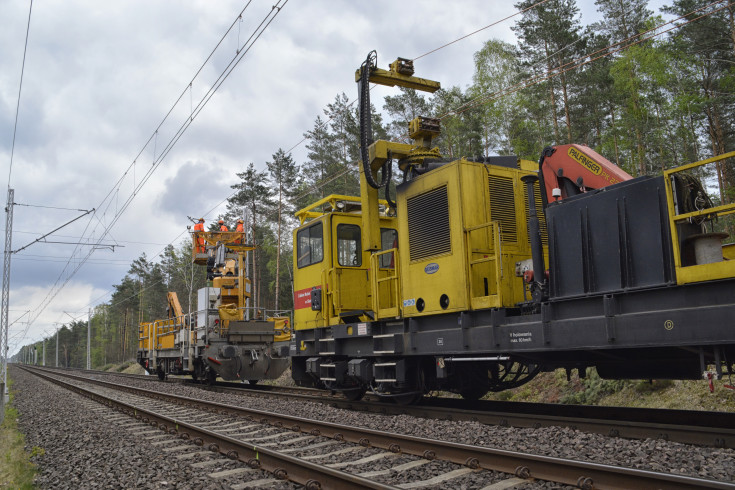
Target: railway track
[[303, 451], [715, 429]]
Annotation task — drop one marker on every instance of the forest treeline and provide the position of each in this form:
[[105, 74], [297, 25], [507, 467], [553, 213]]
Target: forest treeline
[[645, 94]]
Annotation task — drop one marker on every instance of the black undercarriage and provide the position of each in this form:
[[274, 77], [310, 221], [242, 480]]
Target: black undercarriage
[[672, 332]]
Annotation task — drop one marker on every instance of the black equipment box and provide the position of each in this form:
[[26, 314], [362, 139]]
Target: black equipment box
[[610, 240]]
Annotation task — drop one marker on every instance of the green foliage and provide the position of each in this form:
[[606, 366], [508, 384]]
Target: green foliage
[[403, 108], [592, 389], [652, 386]]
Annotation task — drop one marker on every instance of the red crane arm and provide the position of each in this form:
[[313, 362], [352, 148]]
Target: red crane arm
[[575, 169]]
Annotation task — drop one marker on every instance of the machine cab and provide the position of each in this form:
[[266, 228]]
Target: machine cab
[[332, 282]]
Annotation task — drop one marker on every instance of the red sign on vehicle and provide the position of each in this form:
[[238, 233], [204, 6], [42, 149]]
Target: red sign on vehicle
[[302, 298]]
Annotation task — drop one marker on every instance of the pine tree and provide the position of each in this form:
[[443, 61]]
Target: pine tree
[[461, 134], [322, 164], [622, 21], [402, 109], [710, 44], [496, 72], [255, 195], [283, 173], [549, 37]]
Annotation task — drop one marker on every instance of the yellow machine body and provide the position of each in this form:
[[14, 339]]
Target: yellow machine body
[[164, 334], [462, 230], [329, 259]]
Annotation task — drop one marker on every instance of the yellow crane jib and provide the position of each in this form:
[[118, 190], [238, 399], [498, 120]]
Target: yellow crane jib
[[174, 306], [400, 74], [378, 155]]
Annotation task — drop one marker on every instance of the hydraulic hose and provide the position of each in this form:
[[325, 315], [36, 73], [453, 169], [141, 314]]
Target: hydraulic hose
[[366, 128]]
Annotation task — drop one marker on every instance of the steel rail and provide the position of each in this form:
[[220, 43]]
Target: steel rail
[[706, 428], [715, 429], [283, 467], [582, 474]]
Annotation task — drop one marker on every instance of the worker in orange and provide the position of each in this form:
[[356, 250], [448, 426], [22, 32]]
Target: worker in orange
[[223, 226], [240, 229], [199, 239]]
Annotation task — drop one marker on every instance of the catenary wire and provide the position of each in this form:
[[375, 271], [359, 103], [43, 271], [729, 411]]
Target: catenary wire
[[481, 29], [20, 88], [223, 76], [581, 61]]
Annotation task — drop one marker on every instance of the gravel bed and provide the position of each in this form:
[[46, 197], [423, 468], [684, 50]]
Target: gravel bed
[[647, 454], [83, 451]]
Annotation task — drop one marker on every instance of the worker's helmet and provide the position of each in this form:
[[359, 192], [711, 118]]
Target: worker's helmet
[[222, 222], [239, 221], [201, 219]]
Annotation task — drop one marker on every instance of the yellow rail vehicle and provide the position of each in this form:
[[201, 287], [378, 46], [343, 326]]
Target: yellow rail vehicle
[[446, 255], [448, 288], [225, 337], [332, 281]]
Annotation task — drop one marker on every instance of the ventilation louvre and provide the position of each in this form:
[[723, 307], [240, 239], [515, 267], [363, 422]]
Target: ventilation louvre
[[539, 211], [428, 224], [503, 207]]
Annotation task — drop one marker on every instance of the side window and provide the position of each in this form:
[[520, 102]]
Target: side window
[[310, 245], [349, 249], [388, 240]]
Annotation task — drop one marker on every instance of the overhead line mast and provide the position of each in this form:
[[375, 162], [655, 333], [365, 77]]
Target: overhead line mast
[[6, 291]]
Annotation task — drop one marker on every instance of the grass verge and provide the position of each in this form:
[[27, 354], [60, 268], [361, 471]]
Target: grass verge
[[553, 387], [16, 470]]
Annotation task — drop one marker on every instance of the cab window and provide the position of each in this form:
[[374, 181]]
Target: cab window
[[388, 240], [349, 250], [310, 245]]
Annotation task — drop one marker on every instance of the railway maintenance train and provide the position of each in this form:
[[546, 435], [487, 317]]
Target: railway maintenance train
[[225, 337], [485, 272]]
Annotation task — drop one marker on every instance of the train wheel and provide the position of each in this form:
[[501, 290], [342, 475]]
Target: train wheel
[[473, 393], [210, 377], [253, 382], [354, 394], [161, 374], [407, 398]]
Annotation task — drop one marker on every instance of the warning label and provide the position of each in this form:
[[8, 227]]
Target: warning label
[[302, 298]]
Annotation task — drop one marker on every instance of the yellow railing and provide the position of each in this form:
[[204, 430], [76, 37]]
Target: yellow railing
[[166, 332], [390, 282], [701, 272], [484, 261]]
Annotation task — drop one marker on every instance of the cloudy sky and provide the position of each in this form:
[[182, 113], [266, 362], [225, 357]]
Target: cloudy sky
[[100, 77]]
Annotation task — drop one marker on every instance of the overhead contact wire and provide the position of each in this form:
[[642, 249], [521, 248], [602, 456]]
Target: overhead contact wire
[[20, 88], [576, 63], [223, 76], [480, 29]]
